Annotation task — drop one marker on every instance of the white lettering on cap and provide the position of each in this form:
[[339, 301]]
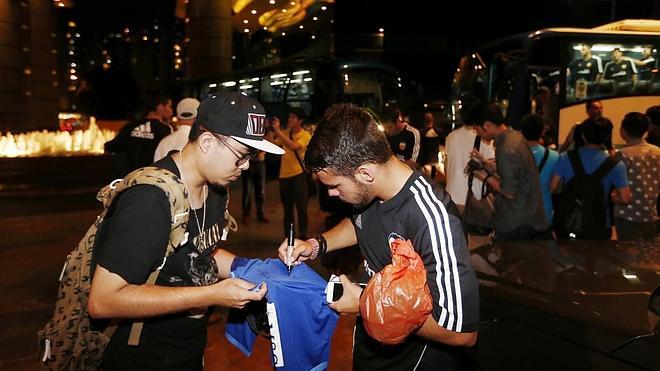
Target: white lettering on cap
[[255, 124]]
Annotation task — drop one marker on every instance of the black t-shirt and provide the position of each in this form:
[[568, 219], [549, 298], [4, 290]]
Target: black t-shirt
[[620, 72], [132, 243], [432, 139], [586, 70], [136, 142], [423, 213], [405, 144], [645, 70]]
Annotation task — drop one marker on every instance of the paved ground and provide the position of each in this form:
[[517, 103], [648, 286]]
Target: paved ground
[[33, 246]]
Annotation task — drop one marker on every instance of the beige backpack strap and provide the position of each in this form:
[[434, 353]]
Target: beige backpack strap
[[136, 328], [174, 189], [177, 196]]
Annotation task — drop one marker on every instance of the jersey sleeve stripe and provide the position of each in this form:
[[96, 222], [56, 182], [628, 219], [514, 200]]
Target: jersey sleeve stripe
[[436, 255], [439, 207], [438, 220], [599, 63], [417, 144]]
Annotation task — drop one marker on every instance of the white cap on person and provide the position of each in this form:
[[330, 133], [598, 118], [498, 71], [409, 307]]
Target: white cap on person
[[187, 108]]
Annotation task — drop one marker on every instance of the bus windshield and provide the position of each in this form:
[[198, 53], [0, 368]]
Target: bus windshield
[[371, 89]]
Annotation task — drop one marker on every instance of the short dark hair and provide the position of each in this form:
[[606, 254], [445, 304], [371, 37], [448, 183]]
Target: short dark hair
[[596, 130], [347, 136], [390, 115], [635, 124], [195, 131], [468, 112], [532, 126], [299, 112], [653, 113], [590, 103], [155, 99], [485, 111]]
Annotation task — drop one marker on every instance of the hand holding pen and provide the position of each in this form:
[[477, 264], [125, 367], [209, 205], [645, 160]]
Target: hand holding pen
[[294, 251], [289, 248]]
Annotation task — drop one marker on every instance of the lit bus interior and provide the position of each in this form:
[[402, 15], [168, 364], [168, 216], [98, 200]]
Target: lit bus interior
[[313, 87], [603, 70]]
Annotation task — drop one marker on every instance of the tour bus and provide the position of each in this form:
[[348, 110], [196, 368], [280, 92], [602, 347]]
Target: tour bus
[[312, 85], [554, 71]]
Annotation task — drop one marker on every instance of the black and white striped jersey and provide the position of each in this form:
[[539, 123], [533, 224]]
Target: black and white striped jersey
[[424, 213], [406, 144]]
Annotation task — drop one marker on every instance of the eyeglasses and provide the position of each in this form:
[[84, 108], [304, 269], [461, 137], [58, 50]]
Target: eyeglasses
[[241, 158]]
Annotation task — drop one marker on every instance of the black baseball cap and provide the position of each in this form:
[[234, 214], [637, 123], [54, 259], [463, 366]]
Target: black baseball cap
[[238, 116]]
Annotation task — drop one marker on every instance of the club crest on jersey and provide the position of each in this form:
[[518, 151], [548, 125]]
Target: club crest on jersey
[[255, 125]]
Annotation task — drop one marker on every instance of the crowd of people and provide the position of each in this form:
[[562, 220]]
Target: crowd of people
[[386, 173]]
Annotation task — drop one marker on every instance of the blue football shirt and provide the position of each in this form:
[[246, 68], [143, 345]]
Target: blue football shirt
[[301, 323]]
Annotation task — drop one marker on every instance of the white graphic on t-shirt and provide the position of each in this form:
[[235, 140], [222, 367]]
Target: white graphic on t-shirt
[[143, 131], [209, 238]]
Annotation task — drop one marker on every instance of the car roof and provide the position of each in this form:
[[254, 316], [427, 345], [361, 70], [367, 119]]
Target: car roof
[[602, 281]]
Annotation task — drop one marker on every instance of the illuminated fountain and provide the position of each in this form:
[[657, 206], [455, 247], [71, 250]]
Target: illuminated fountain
[[52, 171], [61, 143]]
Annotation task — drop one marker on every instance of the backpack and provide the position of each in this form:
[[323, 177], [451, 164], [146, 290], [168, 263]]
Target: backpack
[[68, 341], [581, 210]]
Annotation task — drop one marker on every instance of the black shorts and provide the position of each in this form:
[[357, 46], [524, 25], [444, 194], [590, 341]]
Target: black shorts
[[413, 354]]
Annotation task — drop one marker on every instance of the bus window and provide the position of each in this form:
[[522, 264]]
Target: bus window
[[471, 77], [503, 72], [312, 85], [209, 89], [249, 86], [605, 69], [301, 89], [273, 87], [369, 88], [469, 85], [301, 85]]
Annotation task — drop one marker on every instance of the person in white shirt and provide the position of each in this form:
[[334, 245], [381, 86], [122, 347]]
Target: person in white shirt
[[186, 112], [458, 146]]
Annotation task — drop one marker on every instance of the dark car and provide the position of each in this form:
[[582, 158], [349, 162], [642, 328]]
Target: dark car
[[570, 305]]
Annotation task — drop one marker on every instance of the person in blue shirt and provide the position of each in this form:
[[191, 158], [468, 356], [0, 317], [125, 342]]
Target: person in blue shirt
[[533, 128], [595, 133]]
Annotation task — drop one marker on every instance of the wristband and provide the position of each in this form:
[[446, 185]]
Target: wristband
[[315, 248], [323, 244]]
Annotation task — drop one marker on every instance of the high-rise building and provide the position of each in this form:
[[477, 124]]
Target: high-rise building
[[28, 58]]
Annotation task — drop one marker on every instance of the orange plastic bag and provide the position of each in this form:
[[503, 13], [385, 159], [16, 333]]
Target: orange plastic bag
[[397, 300]]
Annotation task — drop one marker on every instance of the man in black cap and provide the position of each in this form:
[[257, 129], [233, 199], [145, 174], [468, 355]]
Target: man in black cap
[[228, 131]]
